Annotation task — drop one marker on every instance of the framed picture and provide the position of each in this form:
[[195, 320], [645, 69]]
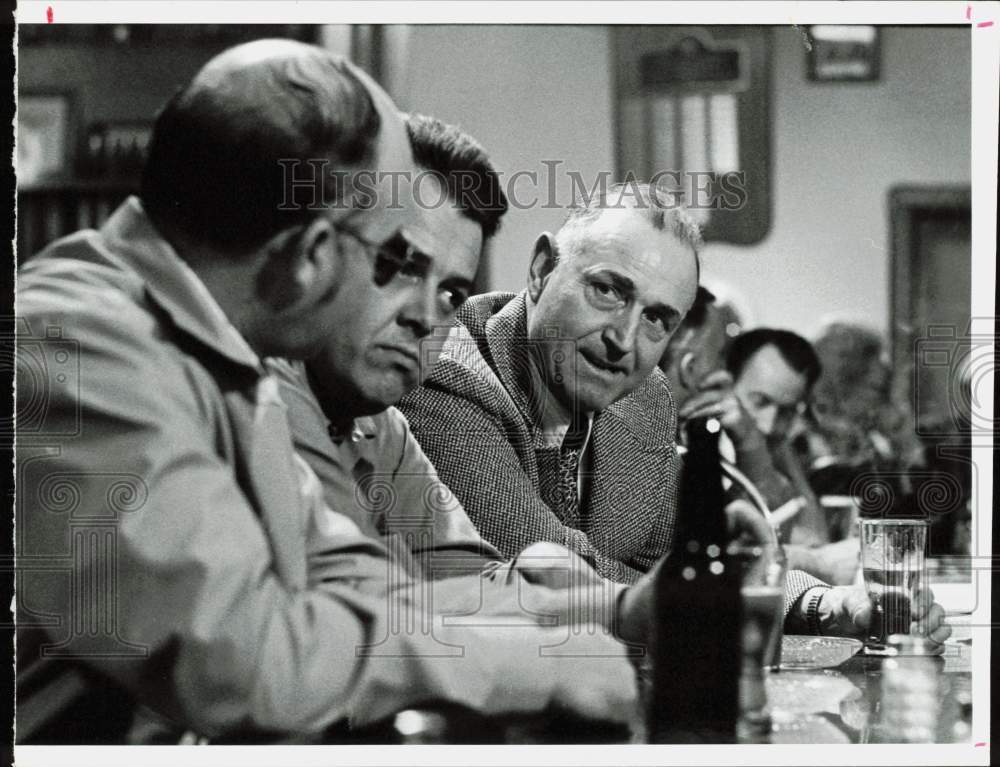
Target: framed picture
[[843, 53], [44, 136]]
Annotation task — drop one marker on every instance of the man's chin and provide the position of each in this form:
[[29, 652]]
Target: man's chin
[[387, 391]]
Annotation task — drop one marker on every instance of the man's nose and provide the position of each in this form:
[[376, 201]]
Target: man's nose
[[620, 334], [766, 419], [420, 312]]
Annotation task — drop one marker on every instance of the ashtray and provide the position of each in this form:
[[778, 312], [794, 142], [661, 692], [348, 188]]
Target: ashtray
[[805, 652]]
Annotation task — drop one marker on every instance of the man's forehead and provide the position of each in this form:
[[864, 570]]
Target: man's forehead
[[768, 371], [660, 264], [451, 240], [629, 234]]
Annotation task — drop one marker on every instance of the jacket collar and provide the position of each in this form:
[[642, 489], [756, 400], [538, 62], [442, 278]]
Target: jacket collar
[[173, 285], [507, 337], [647, 413]]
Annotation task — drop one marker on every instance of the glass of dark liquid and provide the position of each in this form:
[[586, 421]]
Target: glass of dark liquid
[[893, 564], [762, 593]]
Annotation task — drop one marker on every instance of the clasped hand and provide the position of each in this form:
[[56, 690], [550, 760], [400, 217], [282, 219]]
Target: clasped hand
[[847, 611]]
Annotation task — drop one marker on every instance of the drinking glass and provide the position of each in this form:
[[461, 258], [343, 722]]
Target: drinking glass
[[893, 564], [763, 596]]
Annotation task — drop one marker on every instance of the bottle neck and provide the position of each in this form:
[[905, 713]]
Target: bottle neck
[[702, 498]]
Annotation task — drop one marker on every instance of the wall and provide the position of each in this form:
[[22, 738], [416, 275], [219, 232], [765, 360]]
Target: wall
[[533, 93], [528, 93], [838, 149]]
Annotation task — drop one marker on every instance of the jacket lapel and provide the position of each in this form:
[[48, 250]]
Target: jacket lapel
[[634, 463]]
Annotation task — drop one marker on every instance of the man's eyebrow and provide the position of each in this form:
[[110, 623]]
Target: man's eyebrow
[[619, 281], [457, 281], [627, 286], [667, 312]]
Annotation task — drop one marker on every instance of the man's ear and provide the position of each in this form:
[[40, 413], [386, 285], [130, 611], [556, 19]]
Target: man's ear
[[686, 371], [300, 267], [543, 261]]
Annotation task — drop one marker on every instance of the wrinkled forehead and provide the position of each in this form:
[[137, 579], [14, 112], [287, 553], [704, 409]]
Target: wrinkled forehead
[[658, 261]]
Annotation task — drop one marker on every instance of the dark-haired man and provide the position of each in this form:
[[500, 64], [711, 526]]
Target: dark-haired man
[[341, 401], [773, 372], [694, 364], [174, 552], [756, 384]]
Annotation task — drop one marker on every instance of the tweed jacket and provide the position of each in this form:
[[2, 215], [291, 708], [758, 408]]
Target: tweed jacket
[[473, 418], [175, 554]]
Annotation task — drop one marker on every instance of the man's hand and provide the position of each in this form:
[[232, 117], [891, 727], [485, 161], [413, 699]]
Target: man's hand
[[847, 611], [716, 399], [745, 523], [635, 605]]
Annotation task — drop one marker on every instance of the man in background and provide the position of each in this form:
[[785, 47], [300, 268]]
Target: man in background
[[752, 410], [545, 414], [773, 372], [219, 590]]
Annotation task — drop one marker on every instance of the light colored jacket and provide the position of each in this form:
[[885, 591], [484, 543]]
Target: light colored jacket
[[171, 551]]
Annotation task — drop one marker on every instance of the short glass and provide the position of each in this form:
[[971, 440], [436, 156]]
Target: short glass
[[763, 600], [893, 561]]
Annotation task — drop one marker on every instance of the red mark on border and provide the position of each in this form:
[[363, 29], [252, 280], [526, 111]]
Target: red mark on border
[[980, 745], [968, 17], [48, 14]]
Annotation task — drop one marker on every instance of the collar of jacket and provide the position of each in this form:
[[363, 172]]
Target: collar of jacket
[[500, 321], [173, 285]]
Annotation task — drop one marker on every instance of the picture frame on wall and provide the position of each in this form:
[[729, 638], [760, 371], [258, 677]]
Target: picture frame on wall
[[844, 53], [44, 137]]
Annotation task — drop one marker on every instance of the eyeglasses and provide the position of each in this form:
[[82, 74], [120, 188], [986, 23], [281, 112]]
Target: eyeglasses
[[398, 258], [393, 256]]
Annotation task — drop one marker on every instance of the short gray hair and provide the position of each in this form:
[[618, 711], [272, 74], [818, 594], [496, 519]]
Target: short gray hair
[[662, 208]]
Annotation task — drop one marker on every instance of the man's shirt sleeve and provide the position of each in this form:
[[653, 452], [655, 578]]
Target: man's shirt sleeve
[[223, 644]]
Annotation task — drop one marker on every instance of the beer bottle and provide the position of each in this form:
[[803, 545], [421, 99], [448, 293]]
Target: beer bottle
[[696, 653]]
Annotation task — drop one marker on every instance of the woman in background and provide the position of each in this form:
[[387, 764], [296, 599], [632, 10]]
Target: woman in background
[[858, 431]]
